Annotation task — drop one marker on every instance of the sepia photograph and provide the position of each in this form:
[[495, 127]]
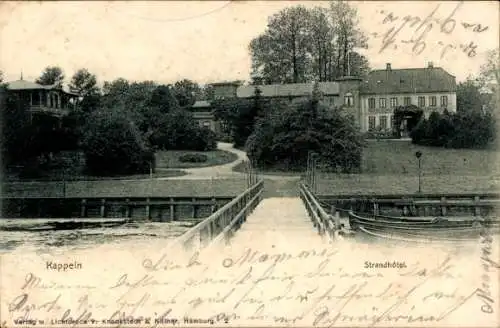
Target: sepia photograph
[[249, 164]]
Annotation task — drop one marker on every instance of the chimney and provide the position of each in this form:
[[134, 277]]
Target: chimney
[[388, 66], [430, 65]]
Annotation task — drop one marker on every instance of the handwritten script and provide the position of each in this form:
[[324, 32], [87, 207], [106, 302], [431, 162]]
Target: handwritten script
[[440, 25], [318, 287]]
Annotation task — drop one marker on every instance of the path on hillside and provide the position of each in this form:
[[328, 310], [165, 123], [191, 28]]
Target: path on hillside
[[217, 171], [224, 170]]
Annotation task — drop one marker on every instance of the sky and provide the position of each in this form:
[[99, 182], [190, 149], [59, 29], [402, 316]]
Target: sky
[[208, 41]]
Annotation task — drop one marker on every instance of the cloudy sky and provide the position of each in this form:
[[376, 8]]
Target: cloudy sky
[[208, 41]]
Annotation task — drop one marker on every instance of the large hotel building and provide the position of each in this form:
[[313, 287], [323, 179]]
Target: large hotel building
[[372, 101]]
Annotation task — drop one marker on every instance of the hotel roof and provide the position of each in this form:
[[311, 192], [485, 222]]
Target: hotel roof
[[409, 80], [288, 90]]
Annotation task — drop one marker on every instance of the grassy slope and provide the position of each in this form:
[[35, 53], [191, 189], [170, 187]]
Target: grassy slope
[[391, 167], [398, 157], [122, 186], [170, 158]]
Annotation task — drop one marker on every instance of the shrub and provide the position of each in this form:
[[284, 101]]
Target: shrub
[[200, 139], [193, 158], [178, 130], [459, 130], [113, 145], [284, 141]]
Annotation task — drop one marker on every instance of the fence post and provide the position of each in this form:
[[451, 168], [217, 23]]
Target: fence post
[[443, 206], [377, 208], [193, 213], [148, 212], [308, 178], [313, 174], [83, 210], [103, 208], [477, 208], [335, 216], [127, 208], [214, 206], [172, 209]]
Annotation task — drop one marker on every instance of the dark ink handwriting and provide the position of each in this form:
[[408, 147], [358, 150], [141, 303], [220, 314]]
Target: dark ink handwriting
[[422, 27]]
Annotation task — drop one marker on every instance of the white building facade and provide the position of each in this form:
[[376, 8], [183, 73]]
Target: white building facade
[[372, 101], [430, 89]]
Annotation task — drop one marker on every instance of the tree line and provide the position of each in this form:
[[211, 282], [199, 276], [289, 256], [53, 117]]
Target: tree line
[[118, 127]]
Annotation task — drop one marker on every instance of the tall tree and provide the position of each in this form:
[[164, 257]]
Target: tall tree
[[186, 92], [1, 76], [322, 47], [489, 79], [358, 64], [164, 99], [301, 44], [115, 92], [206, 92], [347, 32], [85, 85], [490, 71], [469, 99], [117, 86], [281, 53], [52, 75]]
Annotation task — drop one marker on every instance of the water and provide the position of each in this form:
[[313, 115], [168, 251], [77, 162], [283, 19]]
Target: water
[[41, 241]]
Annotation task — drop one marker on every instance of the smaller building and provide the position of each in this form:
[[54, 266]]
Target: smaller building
[[48, 99], [203, 113]]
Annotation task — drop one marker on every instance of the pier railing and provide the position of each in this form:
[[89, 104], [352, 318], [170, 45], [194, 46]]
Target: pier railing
[[325, 223], [222, 224], [417, 205]]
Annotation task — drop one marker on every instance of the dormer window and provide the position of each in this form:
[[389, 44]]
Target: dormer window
[[349, 100]]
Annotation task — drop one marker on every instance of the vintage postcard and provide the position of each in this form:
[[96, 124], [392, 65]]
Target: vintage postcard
[[249, 164]]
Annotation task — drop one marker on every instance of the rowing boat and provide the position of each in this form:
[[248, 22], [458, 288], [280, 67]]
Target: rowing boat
[[439, 228]]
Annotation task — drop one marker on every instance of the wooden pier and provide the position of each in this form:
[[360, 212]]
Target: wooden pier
[[155, 209]]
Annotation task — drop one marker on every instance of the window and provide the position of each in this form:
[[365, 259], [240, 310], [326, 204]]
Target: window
[[392, 122], [382, 102], [444, 101], [394, 102], [407, 101], [371, 102], [206, 124], [383, 122], [349, 100], [331, 100], [371, 123], [224, 126], [432, 100], [421, 101]]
